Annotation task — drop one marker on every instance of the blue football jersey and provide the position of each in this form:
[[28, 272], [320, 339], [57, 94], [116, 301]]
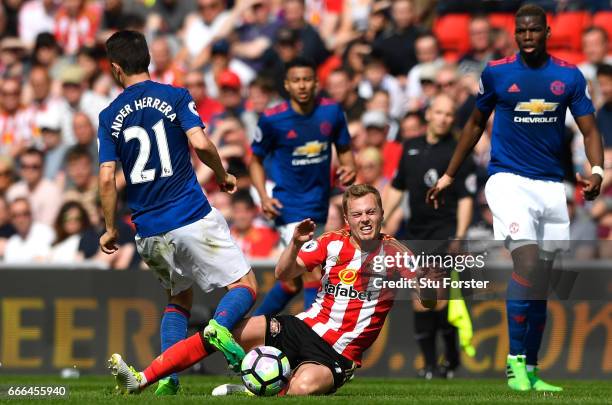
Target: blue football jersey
[[530, 106], [144, 128], [297, 149]]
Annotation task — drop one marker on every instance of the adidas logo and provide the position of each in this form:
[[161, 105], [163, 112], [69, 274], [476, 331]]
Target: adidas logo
[[514, 88]]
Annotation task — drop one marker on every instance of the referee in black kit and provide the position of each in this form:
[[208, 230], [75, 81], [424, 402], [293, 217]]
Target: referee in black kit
[[424, 160]]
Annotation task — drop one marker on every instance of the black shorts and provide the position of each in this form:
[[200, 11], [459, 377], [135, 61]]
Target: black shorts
[[302, 345]]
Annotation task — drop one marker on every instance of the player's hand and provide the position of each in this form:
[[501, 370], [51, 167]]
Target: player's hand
[[270, 207], [346, 175], [304, 231], [433, 194], [228, 184], [108, 241], [591, 186]]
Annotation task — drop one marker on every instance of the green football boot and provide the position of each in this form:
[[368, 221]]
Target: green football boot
[[516, 371], [538, 384], [167, 386], [222, 339]]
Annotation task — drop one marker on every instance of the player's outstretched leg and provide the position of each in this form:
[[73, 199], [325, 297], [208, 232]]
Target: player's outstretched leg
[[231, 309]]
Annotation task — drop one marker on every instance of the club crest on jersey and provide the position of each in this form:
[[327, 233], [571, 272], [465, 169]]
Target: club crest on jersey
[[535, 106], [326, 128], [557, 87]]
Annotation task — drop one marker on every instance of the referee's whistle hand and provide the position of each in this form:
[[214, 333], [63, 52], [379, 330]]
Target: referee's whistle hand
[[590, 186], [433, 195]]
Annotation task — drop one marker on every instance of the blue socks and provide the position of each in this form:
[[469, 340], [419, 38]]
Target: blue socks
[[536, 321], [517, 308], [276, 299], [173, 328], [233, 306], [310, 293]]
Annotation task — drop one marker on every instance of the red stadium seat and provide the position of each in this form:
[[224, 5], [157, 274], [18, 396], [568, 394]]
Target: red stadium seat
[[502, 20], [572, 57], [603, 19], [566, 30], [452, 32]]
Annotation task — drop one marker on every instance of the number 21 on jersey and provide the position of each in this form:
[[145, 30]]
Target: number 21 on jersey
[[138, 173]]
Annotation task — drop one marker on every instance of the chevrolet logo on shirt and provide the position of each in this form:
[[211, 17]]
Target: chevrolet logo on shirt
[[535, 106], [310, 149]]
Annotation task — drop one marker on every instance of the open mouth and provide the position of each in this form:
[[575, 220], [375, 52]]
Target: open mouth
[[366, 229]]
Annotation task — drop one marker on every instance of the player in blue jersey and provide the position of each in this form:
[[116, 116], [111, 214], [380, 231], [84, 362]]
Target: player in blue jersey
[[295, 141], [148, 129], [530, 93]]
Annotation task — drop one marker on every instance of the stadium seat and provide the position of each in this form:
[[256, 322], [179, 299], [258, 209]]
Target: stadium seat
[[572, 57], [452, 32], [502, 20], [603, 19], [566, 30]]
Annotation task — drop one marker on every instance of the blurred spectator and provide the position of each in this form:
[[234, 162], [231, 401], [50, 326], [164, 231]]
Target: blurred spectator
[[335, 218], [397, 46], [70, 245], [164, 68], [47, 53], [481, 47], [116, 15], [125, 257], [10, 8], [379, 20], [412, 125], [326, 15], [50, 126], [40, 99], [313, 47], [82, 184], [201, 30], [503, 43], [206, 106], [595, 47], [222, 61], [261, 96], [256, 241], [376, 77], [6, 228], [355, 20], [36, 16], [604, 114], [448, 82], [230, 95], [85, 137], [428, 56], [287, 47], [87, 60], [78, 98], [354, 56], [370, 168], [167, 16], [342, 88], [43, 194], [12, 52], [16, 123], [376, 125], [6, 174], [76, 25], [32, 239]]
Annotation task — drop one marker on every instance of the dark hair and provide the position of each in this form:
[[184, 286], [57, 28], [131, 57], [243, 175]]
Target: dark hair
[[531, 10], [604, 70], [33, 151], [243, 196], [417, 114], [428, 34], [265, 83], [61, 234], [596, 28], [300, 61], [348, 72], [77, 152], [129, 50]]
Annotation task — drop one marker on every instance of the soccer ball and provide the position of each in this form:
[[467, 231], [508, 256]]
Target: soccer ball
[[265, 370]]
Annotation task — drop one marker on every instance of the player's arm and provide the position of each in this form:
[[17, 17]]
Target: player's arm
[[108, 199], [289, 265], [391, 199], [594, 151], [470, 136], [346, 172], [207, 153]]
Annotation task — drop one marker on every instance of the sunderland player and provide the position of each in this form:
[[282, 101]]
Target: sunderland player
[[325, 343], [148, 128], [294, 141], [530, 93]]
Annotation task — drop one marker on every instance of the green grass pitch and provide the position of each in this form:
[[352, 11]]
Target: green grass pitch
[[361, 391]]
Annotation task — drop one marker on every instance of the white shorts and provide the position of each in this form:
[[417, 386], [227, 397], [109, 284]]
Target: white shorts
[[286, 232], [202, 252], [527, 211]]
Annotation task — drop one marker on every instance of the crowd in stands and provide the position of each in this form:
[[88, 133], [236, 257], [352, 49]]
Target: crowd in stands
[[382, 60]]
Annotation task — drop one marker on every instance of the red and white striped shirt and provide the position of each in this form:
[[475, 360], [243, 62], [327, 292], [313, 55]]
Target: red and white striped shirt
[[350, 309]]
